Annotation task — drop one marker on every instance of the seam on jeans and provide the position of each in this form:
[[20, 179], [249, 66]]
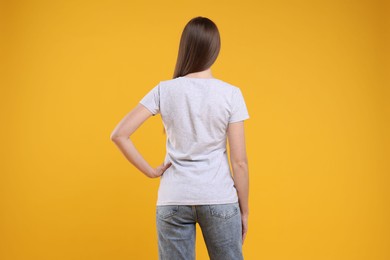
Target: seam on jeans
[[193, 207], [224, 213]]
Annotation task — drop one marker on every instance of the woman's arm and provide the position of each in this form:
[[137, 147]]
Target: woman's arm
[[121, 137], [239, 161]]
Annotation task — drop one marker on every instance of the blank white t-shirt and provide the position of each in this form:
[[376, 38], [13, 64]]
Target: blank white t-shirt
[[195, 114]]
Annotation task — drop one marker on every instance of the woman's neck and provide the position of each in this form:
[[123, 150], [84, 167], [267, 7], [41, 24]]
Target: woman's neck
[[201, 74]]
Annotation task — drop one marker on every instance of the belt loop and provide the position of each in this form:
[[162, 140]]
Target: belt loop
[[194, 212]]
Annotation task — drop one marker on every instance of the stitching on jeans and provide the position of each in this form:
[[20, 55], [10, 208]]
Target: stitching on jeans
[[226, 214]]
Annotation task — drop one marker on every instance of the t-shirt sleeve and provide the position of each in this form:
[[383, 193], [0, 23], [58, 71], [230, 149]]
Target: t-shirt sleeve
[[152, 100], [239, 110]]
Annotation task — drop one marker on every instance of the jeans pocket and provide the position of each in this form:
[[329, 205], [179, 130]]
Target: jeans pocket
[[166, 211], [224, 211]]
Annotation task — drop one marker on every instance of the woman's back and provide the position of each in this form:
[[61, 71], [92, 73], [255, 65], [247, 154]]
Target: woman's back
[[196, 113]]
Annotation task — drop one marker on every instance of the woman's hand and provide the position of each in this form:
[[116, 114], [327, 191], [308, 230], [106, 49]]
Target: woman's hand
[[244, 220], [157, 172]]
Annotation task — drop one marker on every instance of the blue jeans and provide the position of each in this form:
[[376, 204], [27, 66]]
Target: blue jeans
[[220, 224]]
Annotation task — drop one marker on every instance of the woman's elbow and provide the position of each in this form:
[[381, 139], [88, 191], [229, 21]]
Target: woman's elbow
[[115, 137]]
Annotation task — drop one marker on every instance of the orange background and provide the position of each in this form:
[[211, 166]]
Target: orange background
[[314, 75]]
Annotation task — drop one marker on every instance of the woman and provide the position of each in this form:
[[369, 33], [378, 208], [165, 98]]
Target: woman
[[199, 113]]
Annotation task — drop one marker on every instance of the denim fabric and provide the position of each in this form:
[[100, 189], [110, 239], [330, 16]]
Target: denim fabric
[[220, 224]]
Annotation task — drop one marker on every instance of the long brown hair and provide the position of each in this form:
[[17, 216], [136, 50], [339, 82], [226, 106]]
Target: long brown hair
[[200, 43], [199, 47]]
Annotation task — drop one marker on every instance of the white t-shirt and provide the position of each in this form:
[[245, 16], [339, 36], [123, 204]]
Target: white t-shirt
[[195, 114]]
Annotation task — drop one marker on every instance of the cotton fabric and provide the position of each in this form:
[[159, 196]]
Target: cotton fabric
[[196, 113]]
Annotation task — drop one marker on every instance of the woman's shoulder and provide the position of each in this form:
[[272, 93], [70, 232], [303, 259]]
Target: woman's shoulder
[[209, 81]]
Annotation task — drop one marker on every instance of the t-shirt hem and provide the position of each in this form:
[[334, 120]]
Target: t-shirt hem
[[159, 203], [239, 119], [148, 107]]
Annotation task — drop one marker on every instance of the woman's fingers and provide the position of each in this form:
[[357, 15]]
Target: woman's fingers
[[244, 227], [167, 165], [164, 167]]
